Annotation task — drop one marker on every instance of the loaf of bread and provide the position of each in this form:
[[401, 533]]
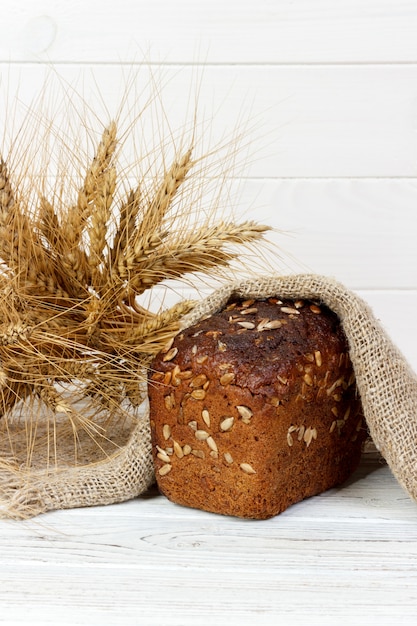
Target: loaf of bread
[[255, 408]]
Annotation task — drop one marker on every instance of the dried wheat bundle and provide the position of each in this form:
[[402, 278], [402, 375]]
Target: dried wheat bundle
[[75, 335]]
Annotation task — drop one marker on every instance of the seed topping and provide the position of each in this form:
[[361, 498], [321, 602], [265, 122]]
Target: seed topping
[[163, 456], [227, 378], [206, 417], [198, 394], [165, 469], [249, 311], [262, 324], [245, 413], [198, 381], [308, 436], [212, 444], [273, 324], [198, 453], [227, 424], [169, 401], [175, 380], [289, 310], [184, 375], [248, 469], [201, 435], [172, 352], [167, 378], [337, 383], [247, 325], [308, 379], [178, 450], [318, 358], [166, 431], [315, 309]]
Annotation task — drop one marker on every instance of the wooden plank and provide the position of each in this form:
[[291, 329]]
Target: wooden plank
[[348, 554], [220, 32], [360, 231], [297, 121]]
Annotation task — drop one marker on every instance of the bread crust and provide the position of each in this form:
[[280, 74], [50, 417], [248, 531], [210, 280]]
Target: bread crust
[[255, 408]]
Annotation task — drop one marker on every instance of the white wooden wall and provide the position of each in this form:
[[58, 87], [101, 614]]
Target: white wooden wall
[[329, 88]]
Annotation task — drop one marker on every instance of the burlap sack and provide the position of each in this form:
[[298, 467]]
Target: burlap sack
[[386, 383]]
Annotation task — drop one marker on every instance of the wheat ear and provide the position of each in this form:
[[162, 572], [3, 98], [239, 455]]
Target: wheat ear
[[98, 189], [148, 234], [97, 231], [127, 223], [20, 246], [92, 186], [164, 195], [205, 249]]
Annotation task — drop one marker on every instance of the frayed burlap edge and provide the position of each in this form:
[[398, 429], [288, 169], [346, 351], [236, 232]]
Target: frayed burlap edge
[[122, 476], [386, 383]]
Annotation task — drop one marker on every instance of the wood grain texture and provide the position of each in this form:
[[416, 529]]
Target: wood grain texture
[[299, 122], [278, 31], [352, 229], [346, 554]]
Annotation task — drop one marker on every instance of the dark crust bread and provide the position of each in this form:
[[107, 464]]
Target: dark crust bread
[[255, 408]]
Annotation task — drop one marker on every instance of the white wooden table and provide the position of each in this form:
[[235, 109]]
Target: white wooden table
[[348, 556]]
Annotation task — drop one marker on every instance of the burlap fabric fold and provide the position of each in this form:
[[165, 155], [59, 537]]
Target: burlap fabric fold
[[386, 383]]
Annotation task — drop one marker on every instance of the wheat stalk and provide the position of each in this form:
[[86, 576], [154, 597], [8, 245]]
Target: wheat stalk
[[74, 340]]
